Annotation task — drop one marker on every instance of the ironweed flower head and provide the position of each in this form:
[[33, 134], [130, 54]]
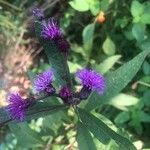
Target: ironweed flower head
[[43, 82], [63, 45], [91, 80], [37, 13], [51, 30], [68, 96], [65, 92], [17, 106]]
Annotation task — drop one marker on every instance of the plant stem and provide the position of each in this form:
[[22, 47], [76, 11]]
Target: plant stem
[[10, 5], [143, 83]]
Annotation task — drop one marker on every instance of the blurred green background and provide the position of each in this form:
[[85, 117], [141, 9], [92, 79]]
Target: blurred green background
[[103, 34]]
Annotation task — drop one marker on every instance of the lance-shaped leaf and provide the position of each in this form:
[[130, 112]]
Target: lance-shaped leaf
[[40, 109], [102, 132], [84, 138], [55, 58], [117, 80], [26, 137], [107, 64]]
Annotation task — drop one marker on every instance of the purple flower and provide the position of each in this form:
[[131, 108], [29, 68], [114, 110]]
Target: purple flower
[[17, 106], [68, 97], [65, 92], [91, 80], [38, 13], [43, 82], [63, 45], [51, 30]]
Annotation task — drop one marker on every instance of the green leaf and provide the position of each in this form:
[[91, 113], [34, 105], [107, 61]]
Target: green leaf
[[146, 97], [122, 117], [99, 128], [107, 64], [105, 120], [138, 31], [80, 5], [136, 124], [145, 45], [26, 137], [144, 117], [145, 18], [42, 109], [105, 5], [144, 83], [121, 101], [117, 80], [84, 138], [136, 8], [54, 121], [128, 34], [109, 47], [145, 79], [94, 7], [146, 68], [94, 127], [146, 7], [88, 35], [55, 57]]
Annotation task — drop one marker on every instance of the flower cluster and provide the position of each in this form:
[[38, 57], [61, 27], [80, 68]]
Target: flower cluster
[[90, 80]]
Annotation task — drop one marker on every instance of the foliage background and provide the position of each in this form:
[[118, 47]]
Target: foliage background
[[104, 46]]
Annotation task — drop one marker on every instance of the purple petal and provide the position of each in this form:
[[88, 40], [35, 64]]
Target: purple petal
[[92, 80], [43, 81], [50, 29]]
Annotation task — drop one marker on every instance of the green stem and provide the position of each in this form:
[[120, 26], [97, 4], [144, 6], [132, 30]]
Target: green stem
[[143, 83], [46, 96], [10, 5]]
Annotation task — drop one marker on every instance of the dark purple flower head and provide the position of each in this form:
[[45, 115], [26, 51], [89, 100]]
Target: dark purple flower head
[[68, 96], [17, 106], [38, 13], [43, 82], [51, 30], [65, 92], [92, 80], [63, 45]]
